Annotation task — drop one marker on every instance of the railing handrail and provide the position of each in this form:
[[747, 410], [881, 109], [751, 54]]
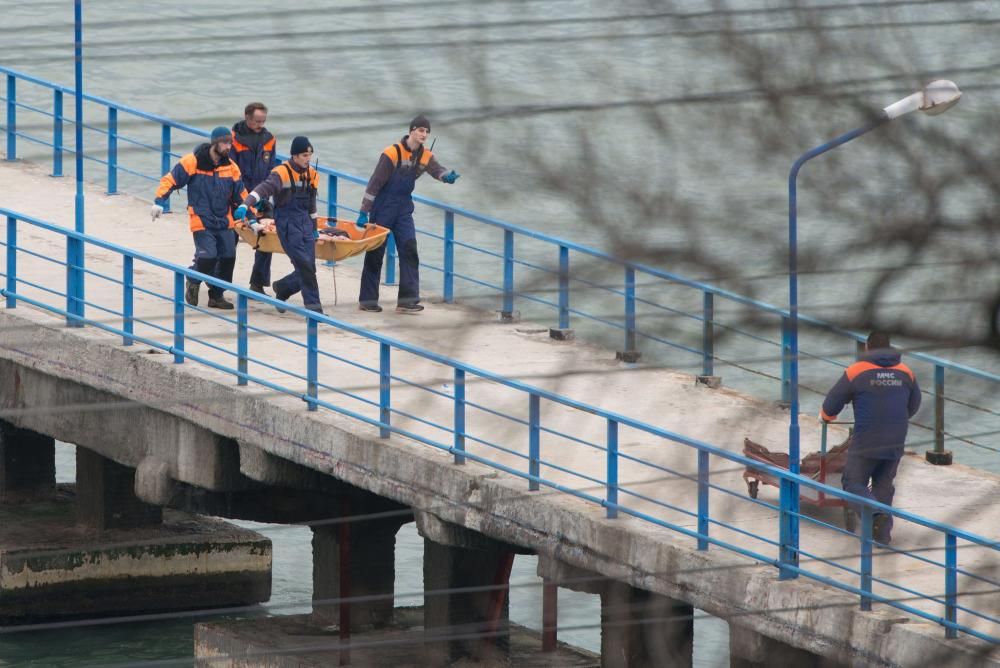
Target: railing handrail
[[508, 382], [549, 239]]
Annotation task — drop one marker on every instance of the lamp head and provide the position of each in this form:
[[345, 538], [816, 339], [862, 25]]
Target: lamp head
[[939, 96]]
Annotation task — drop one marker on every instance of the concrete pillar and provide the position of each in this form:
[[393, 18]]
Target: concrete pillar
[[361, 556], [640, 628], [105, 495], [466, 607], [27, 464], [750, 649]]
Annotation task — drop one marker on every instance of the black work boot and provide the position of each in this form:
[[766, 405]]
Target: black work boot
[[191, 294], [220, 302], [258, 289]]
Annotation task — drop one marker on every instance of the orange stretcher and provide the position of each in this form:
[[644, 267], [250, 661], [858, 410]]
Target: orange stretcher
[[327, 248], [824, 466]]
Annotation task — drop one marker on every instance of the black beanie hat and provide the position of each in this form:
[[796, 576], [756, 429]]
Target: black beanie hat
[[300, 145], [420, 122]]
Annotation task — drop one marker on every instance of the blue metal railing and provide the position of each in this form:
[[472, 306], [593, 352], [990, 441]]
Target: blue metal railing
[[704, 353], [960, 611]]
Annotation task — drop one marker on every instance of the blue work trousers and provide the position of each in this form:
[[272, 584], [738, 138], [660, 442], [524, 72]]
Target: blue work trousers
[[297, 237], [404, 233], [859, 471], [215, 255]]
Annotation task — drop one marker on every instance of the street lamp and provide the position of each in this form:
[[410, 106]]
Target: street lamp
[[937, 97]]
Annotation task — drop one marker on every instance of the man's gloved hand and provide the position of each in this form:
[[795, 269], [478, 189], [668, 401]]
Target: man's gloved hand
[[362, 220], [450, 177], [241, 212], [156, 211], [257, 226]]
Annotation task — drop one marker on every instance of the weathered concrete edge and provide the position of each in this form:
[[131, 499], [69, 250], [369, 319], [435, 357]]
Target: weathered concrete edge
[[804, 614]]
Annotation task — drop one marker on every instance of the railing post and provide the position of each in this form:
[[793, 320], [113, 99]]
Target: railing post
[[951, 583], [57, 133], [702, 499], [629, 354], [11, 117], [459, 416], [128, 294], [312, 362], [611, 488], [178, 318], [390, 259], [11, 287], [867, 525], [507, 310], [242, 339], [786, 361], [165, 157], [331, 196], [534, 441], [112, 150], [384, 378], [449, 257], [708, 334], [563, 287], [938, 455], [788, 553], [74, 282]]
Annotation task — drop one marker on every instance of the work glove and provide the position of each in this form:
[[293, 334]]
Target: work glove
[[257, 226], [241, 212], [362, 220], [450, 177], [156, 211]]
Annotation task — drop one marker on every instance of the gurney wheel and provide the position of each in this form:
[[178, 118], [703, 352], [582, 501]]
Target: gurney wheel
[[753, 486], [850, 520]]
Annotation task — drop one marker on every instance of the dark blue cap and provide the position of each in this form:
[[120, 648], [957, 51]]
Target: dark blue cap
[[221, 133], [300, 145]]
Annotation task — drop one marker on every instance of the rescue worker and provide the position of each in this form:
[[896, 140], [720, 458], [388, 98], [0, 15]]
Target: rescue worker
[[293, 184], [254, 153], [214, 188], [388, 202], [885, 395]]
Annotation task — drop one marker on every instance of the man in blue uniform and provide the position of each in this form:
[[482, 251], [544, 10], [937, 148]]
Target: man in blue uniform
[[885, 395], [293, 184], [214, 187], [388, 202], [254, 153]]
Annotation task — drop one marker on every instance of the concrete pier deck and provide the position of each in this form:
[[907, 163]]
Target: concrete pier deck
[[803, 613]]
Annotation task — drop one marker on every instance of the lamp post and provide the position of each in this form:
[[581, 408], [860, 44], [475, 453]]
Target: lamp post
[[937, 97]]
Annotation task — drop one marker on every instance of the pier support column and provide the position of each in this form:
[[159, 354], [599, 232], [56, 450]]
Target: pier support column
[[355, 560], [638, 627], [466, 587], [465, 601], [105, 495], [27, 464], [750, 649]]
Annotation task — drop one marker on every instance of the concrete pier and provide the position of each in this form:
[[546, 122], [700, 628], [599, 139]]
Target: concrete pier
[[295, 642], [51, 567]]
